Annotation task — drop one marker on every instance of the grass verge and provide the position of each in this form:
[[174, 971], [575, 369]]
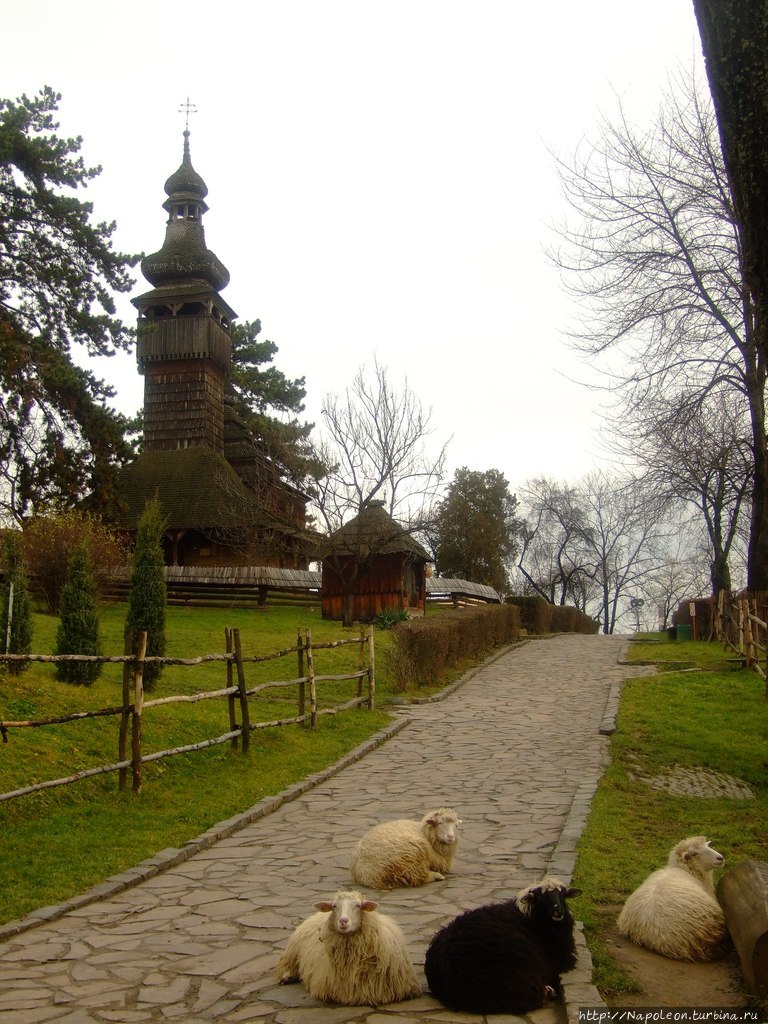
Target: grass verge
[[715, 719]]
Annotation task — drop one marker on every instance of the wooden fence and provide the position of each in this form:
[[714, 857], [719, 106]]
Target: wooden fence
[[740, 622], [236, 692], [259, 586]]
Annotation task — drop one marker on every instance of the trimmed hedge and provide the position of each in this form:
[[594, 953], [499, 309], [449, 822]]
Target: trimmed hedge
[[539, 616], [424, 649], [535, 613], [568, 619]]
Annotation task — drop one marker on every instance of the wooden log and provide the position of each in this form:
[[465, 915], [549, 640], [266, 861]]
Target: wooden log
[[312, 681], [743, 895], [231, 699], [245, 718], [138, 700], [302, 684], [371, 672], [122, 738]]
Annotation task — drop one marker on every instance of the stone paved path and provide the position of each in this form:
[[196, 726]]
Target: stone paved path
[[517, 750]]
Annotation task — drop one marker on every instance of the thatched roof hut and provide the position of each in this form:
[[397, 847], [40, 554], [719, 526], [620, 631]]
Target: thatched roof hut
[[371, 564]]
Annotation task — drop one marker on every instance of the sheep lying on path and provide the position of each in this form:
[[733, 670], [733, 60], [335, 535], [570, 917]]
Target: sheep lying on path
[[505, 957], [406, 853], [674, 912], [346, 953]]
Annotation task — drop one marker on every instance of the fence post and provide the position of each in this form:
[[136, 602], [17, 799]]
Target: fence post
[[361, 661], [234, 742], [138, 703], [311, 679], [371, 672], [750, 655], [122, 740], [302, 681], [245, 716]]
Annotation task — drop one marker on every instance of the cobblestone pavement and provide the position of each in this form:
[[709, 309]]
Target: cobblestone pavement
[[517, 749]]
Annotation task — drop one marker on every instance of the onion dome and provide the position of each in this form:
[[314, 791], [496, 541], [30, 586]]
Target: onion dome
[[184, 256], [186, 179]]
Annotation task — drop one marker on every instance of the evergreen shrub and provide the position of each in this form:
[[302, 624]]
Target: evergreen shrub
[[78, 631], [147, 597]]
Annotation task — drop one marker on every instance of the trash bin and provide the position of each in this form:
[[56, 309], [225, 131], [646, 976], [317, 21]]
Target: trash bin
[[684, 632]]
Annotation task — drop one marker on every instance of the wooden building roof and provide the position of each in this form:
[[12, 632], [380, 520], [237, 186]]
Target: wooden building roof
[[197, 488], [374, 531]]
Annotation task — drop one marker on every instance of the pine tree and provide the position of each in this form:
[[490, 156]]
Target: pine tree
[[476, 528], [59, 437], [146, 602], [78, 631], [16, 604]]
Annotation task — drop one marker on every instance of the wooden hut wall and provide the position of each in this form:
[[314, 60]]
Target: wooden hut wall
[[380, 586]]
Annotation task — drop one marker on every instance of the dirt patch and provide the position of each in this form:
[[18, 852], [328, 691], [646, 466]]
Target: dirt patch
[[667, 982]]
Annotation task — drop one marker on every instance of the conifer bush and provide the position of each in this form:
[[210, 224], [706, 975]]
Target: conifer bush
[[147, 598], [16, 604], [78, 631]]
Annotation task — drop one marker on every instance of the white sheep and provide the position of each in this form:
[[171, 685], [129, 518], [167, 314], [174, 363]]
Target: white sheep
[[674, 912], [407, 853], [345, 953]]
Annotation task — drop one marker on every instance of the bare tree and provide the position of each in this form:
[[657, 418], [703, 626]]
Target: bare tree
[[592, 543], [626, 519], [703, 456], [374, 437], [655, 262], [680, 575], [383, 483], [553, 558]]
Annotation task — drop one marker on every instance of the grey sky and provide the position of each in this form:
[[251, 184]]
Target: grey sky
[[379, 179]]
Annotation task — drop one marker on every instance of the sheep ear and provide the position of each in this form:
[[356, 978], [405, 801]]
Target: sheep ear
[[530, 895], [369, 905], [571, 891], [325, 905]]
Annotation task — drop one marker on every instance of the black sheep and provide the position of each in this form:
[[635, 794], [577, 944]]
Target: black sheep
[[505, 957]]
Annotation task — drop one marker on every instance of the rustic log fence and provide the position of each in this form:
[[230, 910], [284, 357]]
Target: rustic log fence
[[740, 624], [134, 705]]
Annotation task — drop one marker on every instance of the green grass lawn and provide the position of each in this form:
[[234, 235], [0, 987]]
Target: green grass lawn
[[715, 719], [60, 841]]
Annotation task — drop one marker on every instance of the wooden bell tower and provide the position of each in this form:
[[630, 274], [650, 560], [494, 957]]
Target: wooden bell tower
[[183, 346]]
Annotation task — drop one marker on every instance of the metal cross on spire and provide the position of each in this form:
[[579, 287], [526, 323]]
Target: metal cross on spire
[[187, 108]]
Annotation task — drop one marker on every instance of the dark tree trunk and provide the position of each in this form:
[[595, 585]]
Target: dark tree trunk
[[734, 39]]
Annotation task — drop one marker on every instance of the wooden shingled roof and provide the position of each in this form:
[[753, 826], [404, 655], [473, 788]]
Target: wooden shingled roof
[[197, 489], [374, 531]]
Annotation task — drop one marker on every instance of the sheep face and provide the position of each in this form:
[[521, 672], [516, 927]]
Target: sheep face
[[445, 825], [703, 856], [547, 899], [346, 910]]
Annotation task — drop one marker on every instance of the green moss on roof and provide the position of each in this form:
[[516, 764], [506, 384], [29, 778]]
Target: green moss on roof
[[197, 489]]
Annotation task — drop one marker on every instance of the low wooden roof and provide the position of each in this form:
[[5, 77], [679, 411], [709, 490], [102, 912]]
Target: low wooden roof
[[374, 531]]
